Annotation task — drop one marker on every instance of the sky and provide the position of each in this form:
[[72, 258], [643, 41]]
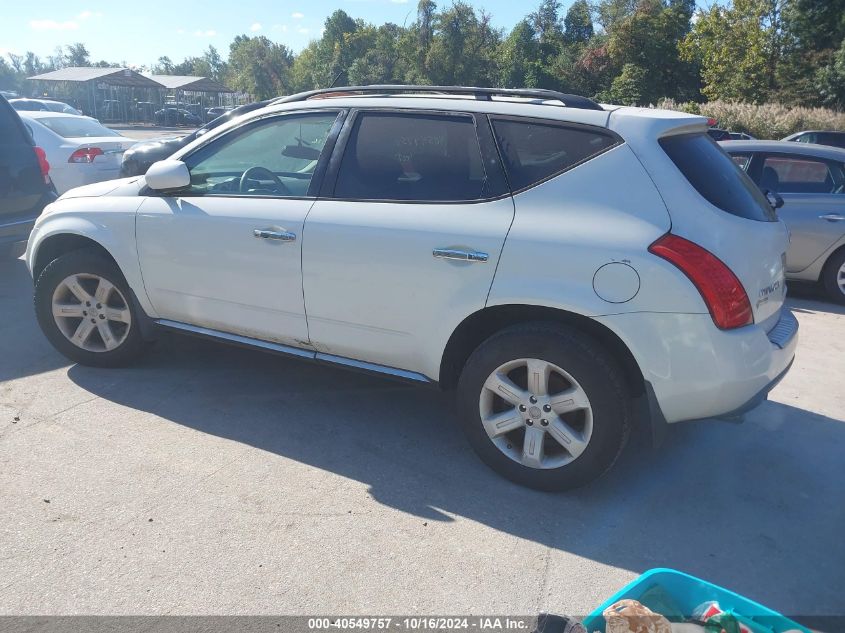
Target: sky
[[138, 33]]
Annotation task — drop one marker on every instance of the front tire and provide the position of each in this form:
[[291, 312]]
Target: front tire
[[833, 277], [545, 406], [83, 305]]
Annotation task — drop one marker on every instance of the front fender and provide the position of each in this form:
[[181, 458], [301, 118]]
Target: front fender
[[98, 220]]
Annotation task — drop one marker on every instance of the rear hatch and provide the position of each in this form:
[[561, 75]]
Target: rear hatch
[[744, 233], [712, 202]]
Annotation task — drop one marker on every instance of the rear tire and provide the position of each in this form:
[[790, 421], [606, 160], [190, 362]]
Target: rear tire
[[833, 277], [566, 411], [84, 307]]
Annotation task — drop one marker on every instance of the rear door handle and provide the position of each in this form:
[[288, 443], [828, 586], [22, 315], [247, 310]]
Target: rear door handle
[[461, 256], [832, 217], [269, 234]]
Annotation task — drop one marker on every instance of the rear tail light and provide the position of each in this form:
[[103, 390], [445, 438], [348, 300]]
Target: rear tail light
[[712, 122], [721, 290], [43, 164], [85, 155]]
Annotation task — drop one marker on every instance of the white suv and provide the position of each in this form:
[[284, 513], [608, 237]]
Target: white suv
[[567, 267]]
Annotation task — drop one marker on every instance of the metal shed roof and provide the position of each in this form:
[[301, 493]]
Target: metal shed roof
[[187, 82], [111, 76]]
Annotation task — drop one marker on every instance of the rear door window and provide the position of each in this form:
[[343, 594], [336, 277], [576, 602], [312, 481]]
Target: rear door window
[[801, 174], [717, 177], [411, 156], [533, 151]]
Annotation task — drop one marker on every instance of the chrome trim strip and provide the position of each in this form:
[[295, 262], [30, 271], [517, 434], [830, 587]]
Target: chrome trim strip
[[17, 222], [381, 369], [294, 351], [236, 338], [785, 329]]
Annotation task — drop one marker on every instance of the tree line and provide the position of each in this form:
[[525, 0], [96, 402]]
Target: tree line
[[619, 51]]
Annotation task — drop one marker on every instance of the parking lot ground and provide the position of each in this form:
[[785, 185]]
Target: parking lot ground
[[214, 480]]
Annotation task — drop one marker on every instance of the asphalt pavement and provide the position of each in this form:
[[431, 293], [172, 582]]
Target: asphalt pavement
[[214, 480]]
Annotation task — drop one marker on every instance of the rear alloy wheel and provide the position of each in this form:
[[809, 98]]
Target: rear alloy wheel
[[83, 306], [545, 406], [833, 277], [546, 425]]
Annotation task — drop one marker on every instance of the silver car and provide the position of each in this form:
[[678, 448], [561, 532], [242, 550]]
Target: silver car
[[811, 180]]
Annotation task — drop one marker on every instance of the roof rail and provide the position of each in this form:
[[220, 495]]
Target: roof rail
[[484, 94]]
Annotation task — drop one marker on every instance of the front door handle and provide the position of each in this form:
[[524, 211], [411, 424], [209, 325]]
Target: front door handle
[[832, 217], [461, 256], [269, 234]]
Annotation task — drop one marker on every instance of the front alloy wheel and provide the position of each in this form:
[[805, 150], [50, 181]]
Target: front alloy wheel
[[91, 312], [84, 308]]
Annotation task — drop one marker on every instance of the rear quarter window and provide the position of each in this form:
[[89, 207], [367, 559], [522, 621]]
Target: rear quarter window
[[535, 151], [716, 177]]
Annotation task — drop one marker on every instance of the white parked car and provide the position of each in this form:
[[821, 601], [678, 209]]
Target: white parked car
[[565, 266], [80, 149]]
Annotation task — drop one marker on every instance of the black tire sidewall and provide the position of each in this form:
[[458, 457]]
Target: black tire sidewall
[[76, 262], [831, 270], [586, 361]]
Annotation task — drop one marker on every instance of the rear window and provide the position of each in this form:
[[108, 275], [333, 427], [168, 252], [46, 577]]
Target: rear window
[[533, 152], [72, 127], [716, 177]]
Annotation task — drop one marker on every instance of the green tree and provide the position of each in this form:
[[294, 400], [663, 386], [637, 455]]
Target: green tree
[[627, 88], [77, 55], [648, 40], [259, 66], [734, 47], [519, 59], [578, 23]]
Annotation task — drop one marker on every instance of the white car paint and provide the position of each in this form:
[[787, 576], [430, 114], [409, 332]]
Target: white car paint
[[373, 293], [67, 175]]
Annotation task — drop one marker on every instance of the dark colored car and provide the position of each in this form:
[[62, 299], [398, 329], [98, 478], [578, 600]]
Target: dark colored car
[[25, 187], [213, 113], [718, 134], [819, 137], [138, 158], [176, 116]]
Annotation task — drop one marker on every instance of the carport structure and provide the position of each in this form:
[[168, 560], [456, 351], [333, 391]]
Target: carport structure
[[109, 94], [195, 94]]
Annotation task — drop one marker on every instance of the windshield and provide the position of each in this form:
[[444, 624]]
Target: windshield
[[76, 127]]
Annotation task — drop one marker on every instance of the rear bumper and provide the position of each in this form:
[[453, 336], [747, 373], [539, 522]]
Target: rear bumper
[[696, 371]]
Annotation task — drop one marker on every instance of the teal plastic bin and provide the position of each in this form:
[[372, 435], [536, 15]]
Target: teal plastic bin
[[688, 592]]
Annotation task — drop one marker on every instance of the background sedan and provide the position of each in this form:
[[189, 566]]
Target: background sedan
[[80, 149], [811, 181], [176, 116]]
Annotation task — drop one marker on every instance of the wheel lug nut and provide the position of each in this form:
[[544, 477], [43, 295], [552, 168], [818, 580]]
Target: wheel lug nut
[[533, 400], [93, 320], [523, 408], [544, 422], [88, 303], [102, 316], [547, 408], [530, 422], [99, 306], [84, 313]]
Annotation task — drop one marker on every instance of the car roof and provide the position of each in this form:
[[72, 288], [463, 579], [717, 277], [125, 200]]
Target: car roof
[[785, 147]]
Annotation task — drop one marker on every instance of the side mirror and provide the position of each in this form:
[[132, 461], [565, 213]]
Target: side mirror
[[168, 174], [774, 198]]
